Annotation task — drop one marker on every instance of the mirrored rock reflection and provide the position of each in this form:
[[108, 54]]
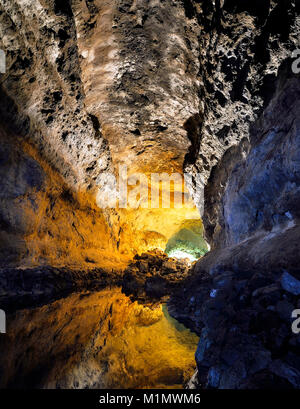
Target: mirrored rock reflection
[[96, 340]]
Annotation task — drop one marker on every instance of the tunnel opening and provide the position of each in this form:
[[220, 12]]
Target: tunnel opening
[[188, 242]]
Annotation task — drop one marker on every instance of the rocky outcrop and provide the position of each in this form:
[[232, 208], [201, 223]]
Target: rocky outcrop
[[152, 277]]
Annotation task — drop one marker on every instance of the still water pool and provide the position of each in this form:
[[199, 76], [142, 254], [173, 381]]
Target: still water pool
[[96, 340]]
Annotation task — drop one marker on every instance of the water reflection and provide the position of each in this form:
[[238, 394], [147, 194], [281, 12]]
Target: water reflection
[[96, 340]]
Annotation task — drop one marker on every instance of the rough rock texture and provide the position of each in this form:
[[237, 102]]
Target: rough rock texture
[[169, 86], [243, 318], [158, 86], [259, 191], [153, 276], [42, 93], [101, 83], [242, 45], [42, 222], [140, 64], [241, 296]]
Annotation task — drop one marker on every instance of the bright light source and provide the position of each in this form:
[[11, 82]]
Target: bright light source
[[181, 254]]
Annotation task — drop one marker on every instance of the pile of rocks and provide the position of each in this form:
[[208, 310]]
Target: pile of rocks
[[153, 276], [244, 320]]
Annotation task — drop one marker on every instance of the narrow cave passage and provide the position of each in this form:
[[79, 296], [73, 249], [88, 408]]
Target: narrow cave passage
[[122, 337], [79, 333], [132, 132], [188, 242]]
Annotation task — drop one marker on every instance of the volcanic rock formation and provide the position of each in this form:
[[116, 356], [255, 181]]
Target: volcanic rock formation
[[242, 294], [197, 86], [158, 86]]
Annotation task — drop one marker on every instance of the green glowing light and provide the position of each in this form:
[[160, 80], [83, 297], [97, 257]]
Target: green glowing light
[[181, 254]]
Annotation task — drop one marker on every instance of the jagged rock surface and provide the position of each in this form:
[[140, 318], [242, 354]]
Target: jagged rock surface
[[244, 321], [242, 45], [42, 221], [255, 188], [157, 86], [153, 276], [242, 294], [167, 85], [101, 83]]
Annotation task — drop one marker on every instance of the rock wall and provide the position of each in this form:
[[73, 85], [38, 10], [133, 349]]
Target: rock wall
[[255, 187], [200, 86], [93, 85], [140, 64], [240, 297], [42, 91], [156, 86], [242, 45], [42, 221]]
